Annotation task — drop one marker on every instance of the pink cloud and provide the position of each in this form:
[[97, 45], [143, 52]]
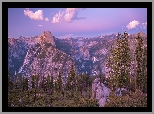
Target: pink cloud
[[144, 25], [58, 17], [38, 15], [46, 19], [133, 24], [68, 15]]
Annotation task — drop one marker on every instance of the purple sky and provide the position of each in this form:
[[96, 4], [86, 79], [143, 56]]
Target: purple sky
[[75, 21]]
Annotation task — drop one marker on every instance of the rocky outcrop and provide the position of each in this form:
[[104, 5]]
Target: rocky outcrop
[[47, 37], [19, 47], [100, 92], [46, 60], [85, 53], [120, 91], [16, 54]]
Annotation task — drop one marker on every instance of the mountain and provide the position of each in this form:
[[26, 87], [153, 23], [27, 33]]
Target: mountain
[[89, 54], [46, 54], [17, 49], [44, 59]]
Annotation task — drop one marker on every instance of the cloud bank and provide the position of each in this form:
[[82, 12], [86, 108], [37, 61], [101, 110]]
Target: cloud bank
[[135, 24], [144, 25], [38, 15], [68, 15]]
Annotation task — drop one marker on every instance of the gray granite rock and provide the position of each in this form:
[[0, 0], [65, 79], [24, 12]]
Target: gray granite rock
[[102, 102], [100, 92], [119, 91]]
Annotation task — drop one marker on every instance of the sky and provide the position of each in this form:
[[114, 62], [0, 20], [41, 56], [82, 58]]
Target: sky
[[74, 22]]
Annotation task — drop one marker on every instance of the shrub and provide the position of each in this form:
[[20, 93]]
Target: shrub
[[85, 102], [76, 98], [132, 99]]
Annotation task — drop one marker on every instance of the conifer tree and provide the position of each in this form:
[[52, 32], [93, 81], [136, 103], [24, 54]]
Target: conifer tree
[[85, 80], [119, 62], [71, 79], [33, 81], [77, 83], [45, 84], [17, 82], [56, 86], [10, 83], [59, 82], [80, 83], [144, 86], [111, 79], [139, 59], [48, 83], [24, 83], [52, 84], [36, 80]]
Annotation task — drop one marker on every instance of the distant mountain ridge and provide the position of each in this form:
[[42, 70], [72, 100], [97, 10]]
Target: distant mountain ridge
[[44, 53]]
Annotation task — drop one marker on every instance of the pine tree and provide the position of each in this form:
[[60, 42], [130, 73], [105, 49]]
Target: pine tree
[[77, 83], [52, 84], [36, 80], [56, 86], [71, 79], [139, 59], [80, 83], [24, 83], [17, 82], [119, 62], [126, 62], [10, 83], [45, 83], [85, 80], [33, 81], [48, 83], [144, 87], [59, 82], [111, 79]]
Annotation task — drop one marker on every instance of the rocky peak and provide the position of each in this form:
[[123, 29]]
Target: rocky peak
[[47, 37], [11, 41]]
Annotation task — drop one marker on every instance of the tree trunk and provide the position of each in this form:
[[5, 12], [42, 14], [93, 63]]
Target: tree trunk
[[130, 84], [35, 96], [135, 83]]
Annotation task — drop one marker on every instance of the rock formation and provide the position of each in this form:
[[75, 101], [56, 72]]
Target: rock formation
[[120, 91], [46, 60], [47, 37], [100, 92]]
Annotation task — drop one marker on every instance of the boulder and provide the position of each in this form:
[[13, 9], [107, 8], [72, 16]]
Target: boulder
[[119, 91], [106, 91], [94, 87], [100, 92], [102, 102]]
